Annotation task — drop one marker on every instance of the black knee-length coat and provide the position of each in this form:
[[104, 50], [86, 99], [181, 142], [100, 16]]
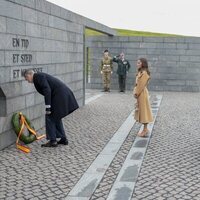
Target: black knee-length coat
[[57, 95]]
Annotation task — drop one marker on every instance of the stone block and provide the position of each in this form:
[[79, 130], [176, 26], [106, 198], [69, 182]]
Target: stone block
[[49, 45], [45, 57], [2, 55], [174, 39], [37, 44], [39, 99], [42, 19], [10, 10], [168, 58], [169, 46], [43, 6], [153, 39], [36, 111], [190, 58], [130, 45], [79, 38], [2, 24], [176, 82], [192, 83], [155, 51], [194, 46], [15, 104], [16, 27], [182, 46], [54, 34], [55, 10], [29, 15], [35, 30], [59, 46], [6, 41], [27, 88], [7, 138], [135, 39], [138, 51], [151, 45], [175, 52], [192, 52], [30, 100], [191, 89], [58, 23], [39, 122], [5, 75], [12, 89], [193, 40]]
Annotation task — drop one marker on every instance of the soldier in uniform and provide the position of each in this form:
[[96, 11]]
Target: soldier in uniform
[[106, 70], [123, 68]]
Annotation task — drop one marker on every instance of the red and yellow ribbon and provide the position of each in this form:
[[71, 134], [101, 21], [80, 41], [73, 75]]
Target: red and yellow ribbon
[[24, 124]]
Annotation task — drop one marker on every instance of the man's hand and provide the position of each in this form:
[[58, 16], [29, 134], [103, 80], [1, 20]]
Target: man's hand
[[111, 72], [48, 112], [101, 72]]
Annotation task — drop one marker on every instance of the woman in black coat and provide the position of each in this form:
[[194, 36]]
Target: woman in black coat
[[59, 102]]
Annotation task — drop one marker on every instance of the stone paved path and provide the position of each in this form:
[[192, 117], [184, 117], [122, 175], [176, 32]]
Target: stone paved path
[[52, 173], [170, 169]]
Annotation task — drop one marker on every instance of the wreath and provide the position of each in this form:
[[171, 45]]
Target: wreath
[[19, 122], [17, 125]]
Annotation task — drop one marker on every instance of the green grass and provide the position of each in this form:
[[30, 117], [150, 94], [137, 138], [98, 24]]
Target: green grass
[[89, 32], [124, 32]]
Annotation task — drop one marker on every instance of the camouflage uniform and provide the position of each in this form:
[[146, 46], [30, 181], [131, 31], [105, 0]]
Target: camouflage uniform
[[106, 68]]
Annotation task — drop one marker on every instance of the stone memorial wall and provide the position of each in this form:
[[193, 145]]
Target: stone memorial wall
[[174, 61], [47, 38]]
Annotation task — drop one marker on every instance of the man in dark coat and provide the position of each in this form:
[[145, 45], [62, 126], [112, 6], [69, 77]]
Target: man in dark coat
[[59, 102], [122, 70]]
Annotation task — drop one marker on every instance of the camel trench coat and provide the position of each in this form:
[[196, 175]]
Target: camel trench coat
[[143, 113]]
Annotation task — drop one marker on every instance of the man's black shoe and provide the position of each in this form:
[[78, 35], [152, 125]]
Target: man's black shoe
[[50, 144], [63, 141]]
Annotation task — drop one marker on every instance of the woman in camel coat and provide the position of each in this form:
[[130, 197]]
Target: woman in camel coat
[[143, 112]]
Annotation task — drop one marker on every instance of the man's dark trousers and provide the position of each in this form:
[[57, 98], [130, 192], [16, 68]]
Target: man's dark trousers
[[122, 82], [54, 129]]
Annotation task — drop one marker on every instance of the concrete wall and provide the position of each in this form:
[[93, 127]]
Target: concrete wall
[[174, 62], [40, 35]]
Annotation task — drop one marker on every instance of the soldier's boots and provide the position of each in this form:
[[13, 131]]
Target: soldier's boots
[[106, 89]]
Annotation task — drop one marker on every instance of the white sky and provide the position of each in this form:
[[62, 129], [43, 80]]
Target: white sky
[[167, 16]]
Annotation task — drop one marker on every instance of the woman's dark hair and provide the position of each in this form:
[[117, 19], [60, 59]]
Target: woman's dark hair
[[144, 65]]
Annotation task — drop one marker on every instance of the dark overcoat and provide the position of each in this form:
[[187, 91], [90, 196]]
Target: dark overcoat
[[57, 95]]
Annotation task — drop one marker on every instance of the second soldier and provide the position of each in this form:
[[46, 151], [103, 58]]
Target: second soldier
[[106, 70]]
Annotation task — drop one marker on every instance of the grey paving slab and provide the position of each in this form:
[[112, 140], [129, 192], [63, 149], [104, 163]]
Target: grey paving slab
[[123, 190], [111, 149], [90, 99], [86, 185], [100, 164]]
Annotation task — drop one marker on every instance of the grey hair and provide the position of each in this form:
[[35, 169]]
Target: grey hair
[[28, 72]]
